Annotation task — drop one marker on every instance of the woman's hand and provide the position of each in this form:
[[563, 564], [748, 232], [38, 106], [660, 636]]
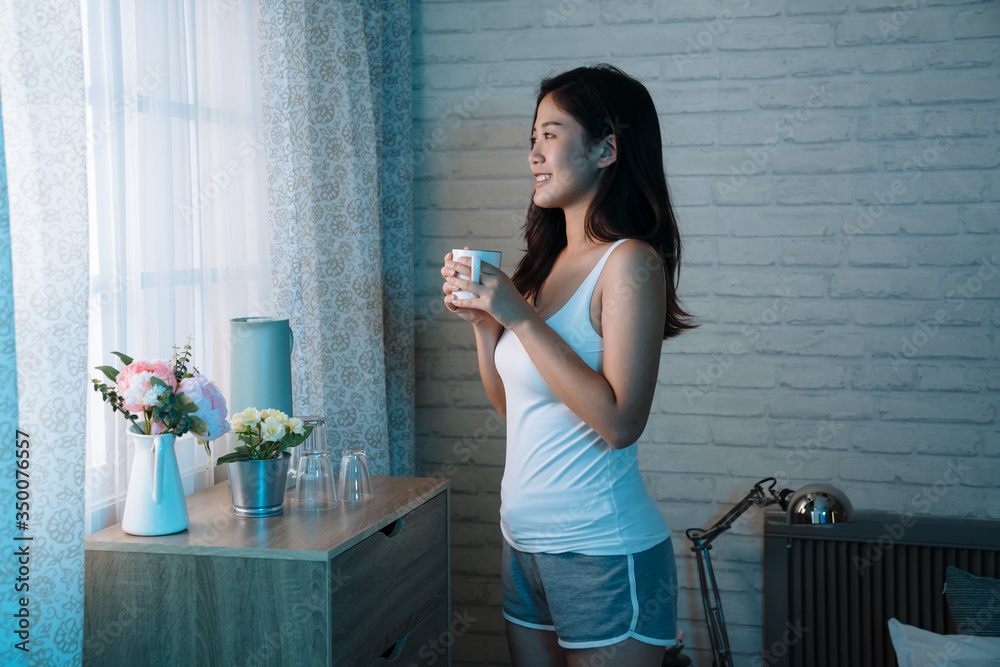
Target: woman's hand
[[496, 297], [474, 317]]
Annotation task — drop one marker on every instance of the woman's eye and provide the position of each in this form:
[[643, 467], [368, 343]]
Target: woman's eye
[[533, 141]]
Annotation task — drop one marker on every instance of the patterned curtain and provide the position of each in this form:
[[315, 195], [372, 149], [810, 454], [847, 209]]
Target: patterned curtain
[[336, 94], [44, 132], [8, 391]]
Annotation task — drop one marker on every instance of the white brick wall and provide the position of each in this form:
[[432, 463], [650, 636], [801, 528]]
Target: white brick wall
[[835, 166]]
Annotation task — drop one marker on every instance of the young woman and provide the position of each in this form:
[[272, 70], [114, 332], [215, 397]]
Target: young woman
[[569, 349]]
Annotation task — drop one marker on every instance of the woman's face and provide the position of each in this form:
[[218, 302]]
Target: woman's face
[[563, 162]]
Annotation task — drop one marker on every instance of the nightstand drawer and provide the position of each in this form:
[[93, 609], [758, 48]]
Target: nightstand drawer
[[425, 644], [384, 586]]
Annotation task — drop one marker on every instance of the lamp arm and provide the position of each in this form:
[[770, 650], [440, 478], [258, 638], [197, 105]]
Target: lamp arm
[[758, 496], [706, 536], [702, 540]]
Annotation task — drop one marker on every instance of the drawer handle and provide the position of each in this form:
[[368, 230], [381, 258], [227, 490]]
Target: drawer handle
[[392, 530], [394, 651]]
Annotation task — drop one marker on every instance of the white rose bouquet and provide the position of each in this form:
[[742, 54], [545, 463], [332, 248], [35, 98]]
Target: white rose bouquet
[[265, 434]]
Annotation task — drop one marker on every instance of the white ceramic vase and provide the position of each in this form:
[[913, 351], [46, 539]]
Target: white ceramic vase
[[154, 503]]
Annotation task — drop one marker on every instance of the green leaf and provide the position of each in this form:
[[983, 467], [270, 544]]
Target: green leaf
[[198, 425], [185, 404], [124, 357], [110, 372], [156, 382], [296, 440], [232, 456]]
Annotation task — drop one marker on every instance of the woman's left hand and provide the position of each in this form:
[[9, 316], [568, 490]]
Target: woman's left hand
[[495, 293]]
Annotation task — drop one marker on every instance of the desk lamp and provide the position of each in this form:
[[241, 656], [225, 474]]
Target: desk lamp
[[812, 504]]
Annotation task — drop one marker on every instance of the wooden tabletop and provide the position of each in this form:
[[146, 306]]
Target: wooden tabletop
[[214, 529]]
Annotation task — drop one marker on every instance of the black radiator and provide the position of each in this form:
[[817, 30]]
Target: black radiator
[[829, 590]]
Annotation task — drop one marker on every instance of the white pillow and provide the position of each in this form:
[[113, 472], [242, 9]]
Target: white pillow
[[921, 648]]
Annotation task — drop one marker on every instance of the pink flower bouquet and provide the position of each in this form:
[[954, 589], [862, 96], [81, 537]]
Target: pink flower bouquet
[[160, 398]]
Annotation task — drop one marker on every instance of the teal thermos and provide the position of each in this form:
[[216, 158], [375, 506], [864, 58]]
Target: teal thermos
[[261, 364]]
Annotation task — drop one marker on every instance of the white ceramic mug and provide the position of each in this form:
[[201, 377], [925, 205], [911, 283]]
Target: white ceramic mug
[[478, 257]]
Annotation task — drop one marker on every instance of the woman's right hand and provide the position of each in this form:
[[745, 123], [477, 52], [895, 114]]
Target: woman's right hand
[[473, 316]]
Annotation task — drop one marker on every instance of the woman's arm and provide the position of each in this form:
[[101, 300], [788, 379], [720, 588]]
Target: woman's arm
[[487, 337], [615, 403], [488, 332]]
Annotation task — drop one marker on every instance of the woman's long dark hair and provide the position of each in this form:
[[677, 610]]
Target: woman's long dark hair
[[631, 199]]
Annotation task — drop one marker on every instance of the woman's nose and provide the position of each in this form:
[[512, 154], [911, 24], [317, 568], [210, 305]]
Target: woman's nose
[[534, 155]]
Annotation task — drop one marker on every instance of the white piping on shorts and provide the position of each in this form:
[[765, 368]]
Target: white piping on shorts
[[654, 641], [533, 626], [635, 621], [632, 585]]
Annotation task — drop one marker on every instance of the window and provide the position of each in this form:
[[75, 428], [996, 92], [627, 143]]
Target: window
[[176, 185]]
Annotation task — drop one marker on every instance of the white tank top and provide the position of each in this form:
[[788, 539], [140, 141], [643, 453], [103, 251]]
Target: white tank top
[[564, 488]]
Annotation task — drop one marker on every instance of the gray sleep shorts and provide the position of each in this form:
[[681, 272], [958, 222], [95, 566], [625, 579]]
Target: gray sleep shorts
[[591, 601]]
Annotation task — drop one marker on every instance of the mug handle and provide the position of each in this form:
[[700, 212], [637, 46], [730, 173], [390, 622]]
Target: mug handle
[[477, 268]]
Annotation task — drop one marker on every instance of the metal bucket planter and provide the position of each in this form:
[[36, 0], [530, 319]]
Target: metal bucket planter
[[258, 487]]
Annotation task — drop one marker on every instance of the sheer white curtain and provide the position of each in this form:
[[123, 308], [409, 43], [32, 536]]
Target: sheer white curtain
[[176, 183]]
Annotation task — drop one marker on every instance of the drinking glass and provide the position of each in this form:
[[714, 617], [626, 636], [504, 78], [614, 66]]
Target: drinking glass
[[314, 483], [318, 434], [355, 480]]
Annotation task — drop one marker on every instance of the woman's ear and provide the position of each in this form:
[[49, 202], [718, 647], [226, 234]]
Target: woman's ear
[[609, 151]]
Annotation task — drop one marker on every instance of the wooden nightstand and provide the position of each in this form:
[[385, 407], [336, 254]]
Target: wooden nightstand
[[362, 584]]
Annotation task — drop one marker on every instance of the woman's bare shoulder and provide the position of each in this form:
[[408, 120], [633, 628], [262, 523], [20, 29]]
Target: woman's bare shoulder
[[635, 260], [631, 283]]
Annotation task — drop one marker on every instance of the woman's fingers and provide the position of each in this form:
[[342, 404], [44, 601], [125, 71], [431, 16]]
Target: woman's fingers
[[449, 302], [468, 286], [462, 283], [463, 264], [452, 267]]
